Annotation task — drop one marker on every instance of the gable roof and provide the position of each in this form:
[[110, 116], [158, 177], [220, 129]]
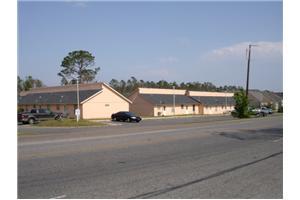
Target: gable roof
[[66, 97], [168, 99], [256, 97], [272, 96], [214, 101]]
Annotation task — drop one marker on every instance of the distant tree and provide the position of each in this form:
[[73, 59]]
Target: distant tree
[[20, 85], [241, 104], [28, 83], [38, 83], [142, 83], [114, 83], [127, 87], [78, 65]]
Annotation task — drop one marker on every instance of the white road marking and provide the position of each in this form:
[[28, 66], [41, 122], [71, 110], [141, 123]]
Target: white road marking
[[277, 140], [59, 197], [114, 124]]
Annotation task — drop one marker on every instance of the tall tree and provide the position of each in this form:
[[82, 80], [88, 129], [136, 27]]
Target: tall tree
[[20, 84], [78, 64]]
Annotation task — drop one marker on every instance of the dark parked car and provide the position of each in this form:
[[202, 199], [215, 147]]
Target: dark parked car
[[125, 116], [36, 115]]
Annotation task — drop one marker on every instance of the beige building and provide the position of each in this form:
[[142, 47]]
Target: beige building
[[213, 103], [161, 102], [97, 100]]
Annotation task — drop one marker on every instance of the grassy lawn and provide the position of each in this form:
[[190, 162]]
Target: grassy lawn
[[21, 133], [68, 123]]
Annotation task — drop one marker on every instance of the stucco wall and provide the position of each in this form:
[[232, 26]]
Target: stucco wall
[[141, 107], [210, 94], [186, 110], [213, 110], [103, 105], [161, 91]]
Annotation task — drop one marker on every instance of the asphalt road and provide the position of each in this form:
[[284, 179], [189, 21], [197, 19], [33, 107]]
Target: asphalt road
[[194, 159]]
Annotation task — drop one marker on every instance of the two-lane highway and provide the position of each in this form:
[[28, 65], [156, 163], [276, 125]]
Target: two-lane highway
[[223, 159]]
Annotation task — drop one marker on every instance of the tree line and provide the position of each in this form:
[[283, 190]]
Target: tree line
[[127, 87], [79, 66], [28, 83]]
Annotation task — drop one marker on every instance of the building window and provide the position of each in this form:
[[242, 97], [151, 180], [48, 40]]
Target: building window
[[106, 105], [194, 108], [186, 107], [182, 106], [40, 106], [164, 108], [34, 106], [57, 107]]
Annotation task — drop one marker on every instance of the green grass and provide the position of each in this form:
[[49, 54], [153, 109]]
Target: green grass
[[68, 123], [21, 133]]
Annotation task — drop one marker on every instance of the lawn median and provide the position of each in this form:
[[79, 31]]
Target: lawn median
[[68, 123]]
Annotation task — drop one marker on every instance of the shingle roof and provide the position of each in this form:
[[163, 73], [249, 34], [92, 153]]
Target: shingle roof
[[168, 99], [257, 97], [68, 97], [212, 101], [273, 96]]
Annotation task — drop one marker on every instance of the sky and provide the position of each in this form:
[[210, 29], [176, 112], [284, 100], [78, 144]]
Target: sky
[[172, 41]]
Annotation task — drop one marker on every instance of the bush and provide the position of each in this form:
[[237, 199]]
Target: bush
[[241, 105], [20, 110], [280, 109]]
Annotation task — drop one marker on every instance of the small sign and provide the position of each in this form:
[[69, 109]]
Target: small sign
[[77, 112]]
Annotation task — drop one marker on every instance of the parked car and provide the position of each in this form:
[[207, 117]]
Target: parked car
[[263, 111], [125, 116], [36, 115], [267, 110]]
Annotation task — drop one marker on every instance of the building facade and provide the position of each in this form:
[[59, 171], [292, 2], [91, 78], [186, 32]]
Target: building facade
[[165, 102], [213, 103], [96, 100]]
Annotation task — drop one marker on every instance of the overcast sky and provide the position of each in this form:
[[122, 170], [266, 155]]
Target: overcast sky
[[175, 41]]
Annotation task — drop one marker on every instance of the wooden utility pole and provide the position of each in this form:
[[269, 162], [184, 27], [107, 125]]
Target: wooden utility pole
[[248, 67]]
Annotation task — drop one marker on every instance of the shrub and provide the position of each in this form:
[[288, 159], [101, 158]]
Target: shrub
[[241, 104]]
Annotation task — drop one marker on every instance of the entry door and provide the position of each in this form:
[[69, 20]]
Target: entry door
[[201, 110]]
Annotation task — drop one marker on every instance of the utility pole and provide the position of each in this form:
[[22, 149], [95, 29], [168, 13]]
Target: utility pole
[[226, 100], [248, 68], [77, 111], [173, 99]]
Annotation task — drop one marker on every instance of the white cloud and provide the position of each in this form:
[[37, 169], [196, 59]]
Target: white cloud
[[263, 50], [228, 65], [168, 60]]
